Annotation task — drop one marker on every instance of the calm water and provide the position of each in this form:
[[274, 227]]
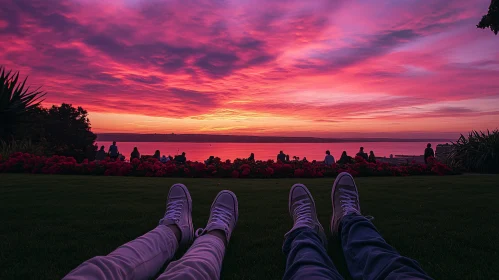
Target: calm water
[[264, 151]]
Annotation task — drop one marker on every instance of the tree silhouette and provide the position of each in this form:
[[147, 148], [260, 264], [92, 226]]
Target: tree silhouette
[[16, 101], [67, 130], [491, 19]]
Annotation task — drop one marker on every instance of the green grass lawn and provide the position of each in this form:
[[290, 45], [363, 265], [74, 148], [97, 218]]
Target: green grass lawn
[[50, 224]]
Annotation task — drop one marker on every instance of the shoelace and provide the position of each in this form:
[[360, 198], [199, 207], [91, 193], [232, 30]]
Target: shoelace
[[302, 212], [219, 216], [348, 200], [173, 210]]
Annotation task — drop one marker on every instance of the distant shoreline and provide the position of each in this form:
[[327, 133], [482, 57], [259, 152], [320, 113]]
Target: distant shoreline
[[211, 138]]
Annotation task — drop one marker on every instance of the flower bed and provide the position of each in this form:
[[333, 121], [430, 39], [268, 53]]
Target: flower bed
[[27, 163]]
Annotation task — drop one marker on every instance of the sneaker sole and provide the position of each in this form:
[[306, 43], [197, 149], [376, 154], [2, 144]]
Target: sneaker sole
[[336, 181], [236, 205], [189, 202]]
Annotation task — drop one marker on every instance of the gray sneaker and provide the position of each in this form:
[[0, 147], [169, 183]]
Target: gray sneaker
[[223, 215], [302, 210], [345, 199], [179, 212]]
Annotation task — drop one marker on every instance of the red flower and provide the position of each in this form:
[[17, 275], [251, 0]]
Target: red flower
[[244, 166], [299, 173], [245, 172], [27, 163]]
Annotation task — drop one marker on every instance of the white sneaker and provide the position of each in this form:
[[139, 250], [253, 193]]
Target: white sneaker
[[302, 210], [223, 215], [345, 200], [179, 212]]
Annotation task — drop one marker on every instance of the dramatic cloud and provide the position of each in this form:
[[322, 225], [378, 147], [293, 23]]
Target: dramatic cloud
[[260, 67]]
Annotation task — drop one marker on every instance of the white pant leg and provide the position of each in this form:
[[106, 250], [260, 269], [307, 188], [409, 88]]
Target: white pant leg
[[141, 258], [202, 261]]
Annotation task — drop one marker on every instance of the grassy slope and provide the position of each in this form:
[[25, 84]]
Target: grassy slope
[[50, 224]]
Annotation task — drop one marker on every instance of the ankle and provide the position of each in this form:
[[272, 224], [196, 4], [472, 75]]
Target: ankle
[[176, 230], [220, 234]]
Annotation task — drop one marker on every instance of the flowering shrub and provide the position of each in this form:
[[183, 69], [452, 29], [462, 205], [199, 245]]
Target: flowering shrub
[[151, 167]]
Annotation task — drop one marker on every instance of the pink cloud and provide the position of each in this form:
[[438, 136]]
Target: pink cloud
[[180, 59]]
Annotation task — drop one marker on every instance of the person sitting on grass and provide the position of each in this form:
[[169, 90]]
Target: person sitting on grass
[[366, 253], [135, 154], [281, 157], [345, 159], [101, 154], [428, 152], [157, 155], [113, 151], [372, 157], [362, 154], [165, 159], [329, 159], [251, 157]]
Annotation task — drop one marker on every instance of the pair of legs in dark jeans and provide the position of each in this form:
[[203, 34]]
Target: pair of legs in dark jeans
[[367, 254]]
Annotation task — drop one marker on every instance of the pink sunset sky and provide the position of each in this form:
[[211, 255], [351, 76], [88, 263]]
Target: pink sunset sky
[[330, 68]]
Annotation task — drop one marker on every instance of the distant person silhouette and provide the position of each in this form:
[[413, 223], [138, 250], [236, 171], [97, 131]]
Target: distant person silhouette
[[157, 155], [101, 154], [287, 158], [372, 157], [329, 159], [344, 159], [113, 151], [428, 152], [251, 157], [304, 159], [362, 154], [135, 154], [281, 157], [181, 158], [210, 160], [165, 159]]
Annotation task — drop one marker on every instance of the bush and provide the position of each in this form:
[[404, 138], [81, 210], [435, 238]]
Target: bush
[[479, 152], [28, 163], [23, 146], [61, 130]]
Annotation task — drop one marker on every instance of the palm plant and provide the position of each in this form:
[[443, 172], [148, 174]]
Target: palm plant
[[15, 101], [479, 152]]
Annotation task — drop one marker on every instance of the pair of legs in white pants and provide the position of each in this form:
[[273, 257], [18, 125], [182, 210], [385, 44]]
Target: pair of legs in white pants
[[143, 257]]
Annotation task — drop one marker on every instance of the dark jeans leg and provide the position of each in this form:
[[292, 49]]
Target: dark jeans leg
[[368, 256], [306, 257]]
